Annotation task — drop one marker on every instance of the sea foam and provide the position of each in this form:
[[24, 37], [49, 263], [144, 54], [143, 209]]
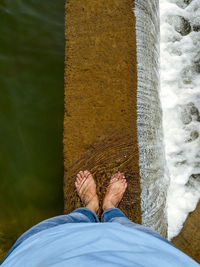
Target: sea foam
[[180, 100]]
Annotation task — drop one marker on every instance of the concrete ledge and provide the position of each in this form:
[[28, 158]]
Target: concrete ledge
[[100, 132]]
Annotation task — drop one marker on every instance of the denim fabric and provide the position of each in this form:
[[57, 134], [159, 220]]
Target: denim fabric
[[117, 216], [77, 216], [81, 215]]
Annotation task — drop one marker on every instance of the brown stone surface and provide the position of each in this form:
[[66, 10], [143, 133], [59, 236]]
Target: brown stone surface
[[100, 131], [189, 238]]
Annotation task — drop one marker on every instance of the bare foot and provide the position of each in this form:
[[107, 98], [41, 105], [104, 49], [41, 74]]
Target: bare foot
[[115, 191], [86, 189]]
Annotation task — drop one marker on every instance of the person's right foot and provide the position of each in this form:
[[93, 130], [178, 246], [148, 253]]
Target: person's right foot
[[115, 191], [86, 189]]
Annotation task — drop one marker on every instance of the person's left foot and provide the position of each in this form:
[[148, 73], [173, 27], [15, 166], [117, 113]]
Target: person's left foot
[[86, 189]]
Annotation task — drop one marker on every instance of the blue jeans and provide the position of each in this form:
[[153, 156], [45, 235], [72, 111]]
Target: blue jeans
[[84, 215]]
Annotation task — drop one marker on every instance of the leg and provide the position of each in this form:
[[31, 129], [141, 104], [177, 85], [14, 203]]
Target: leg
[[111, 213], [86, 189], [77, 216], [117, 216]]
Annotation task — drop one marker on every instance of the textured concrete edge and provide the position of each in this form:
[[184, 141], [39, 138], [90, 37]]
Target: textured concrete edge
[[154, 178]]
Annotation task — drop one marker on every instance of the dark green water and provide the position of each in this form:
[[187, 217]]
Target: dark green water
[[31, 114]]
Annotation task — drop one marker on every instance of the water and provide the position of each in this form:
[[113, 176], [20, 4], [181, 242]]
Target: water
[[31, 114], [180, 96], [154, 177], [178, 140]]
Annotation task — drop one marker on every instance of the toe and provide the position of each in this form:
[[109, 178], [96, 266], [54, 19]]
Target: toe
[[78, 179], [116, 175], [111, 180], [114, 180], [82, 174], [121, 176], [83, 180], [87, 173]]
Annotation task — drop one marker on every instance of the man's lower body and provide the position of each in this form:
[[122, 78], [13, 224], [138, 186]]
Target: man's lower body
[[86, 189], [84, 215]]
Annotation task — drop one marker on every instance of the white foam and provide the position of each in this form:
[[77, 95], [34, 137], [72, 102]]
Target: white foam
[[180, 99]]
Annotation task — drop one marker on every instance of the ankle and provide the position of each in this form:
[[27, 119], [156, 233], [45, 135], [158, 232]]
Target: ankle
[[93, 205], [93, 208], [108, 206]]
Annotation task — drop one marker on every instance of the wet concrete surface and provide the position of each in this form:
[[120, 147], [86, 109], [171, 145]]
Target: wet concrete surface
[[100, 131]]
